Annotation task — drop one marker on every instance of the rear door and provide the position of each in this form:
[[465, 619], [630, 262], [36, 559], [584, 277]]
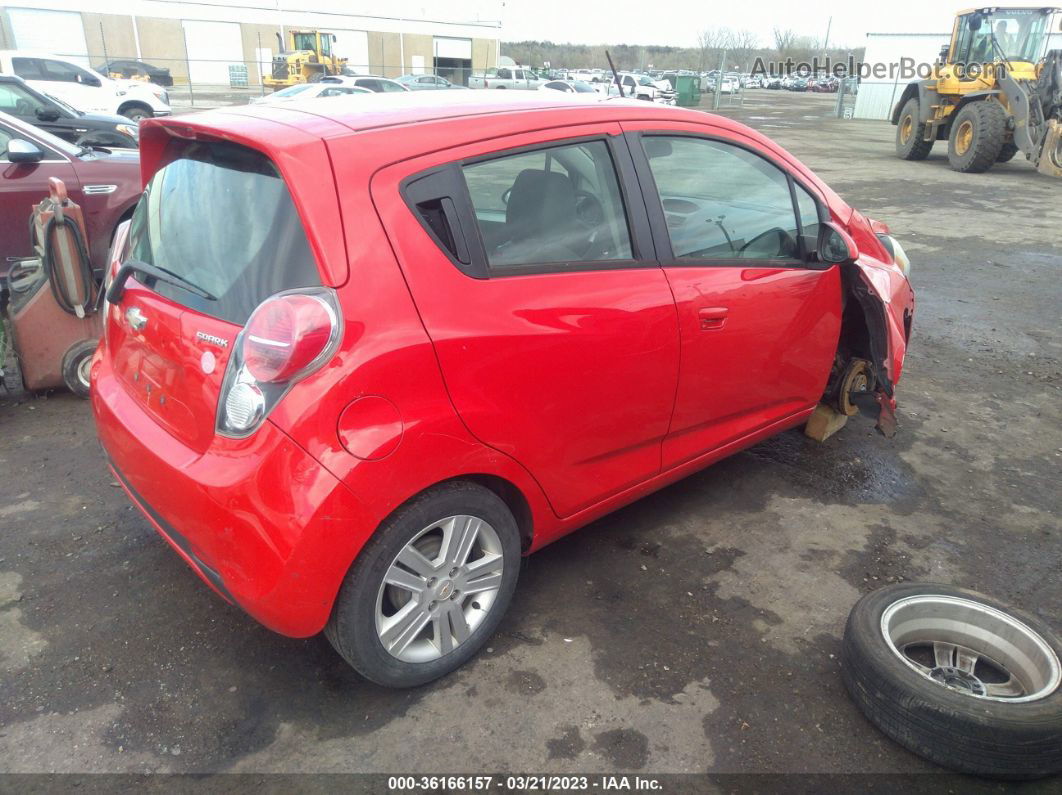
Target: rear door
[[759, 325], [531, 265]]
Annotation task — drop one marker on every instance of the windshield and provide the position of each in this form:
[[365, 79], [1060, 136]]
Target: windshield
[[219, 216], [291, 91], [58, 101], [582, 87], [645, 81], [1020, 34]]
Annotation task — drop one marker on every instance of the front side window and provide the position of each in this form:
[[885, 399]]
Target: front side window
[[17, 101], [62, 72], [555, 205], [722, 202], [220, 217]]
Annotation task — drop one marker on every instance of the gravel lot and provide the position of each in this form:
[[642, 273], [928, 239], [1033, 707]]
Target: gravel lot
[[697, 630]]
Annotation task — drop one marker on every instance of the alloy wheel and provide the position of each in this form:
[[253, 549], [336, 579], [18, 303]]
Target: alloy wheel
[[439, 589]]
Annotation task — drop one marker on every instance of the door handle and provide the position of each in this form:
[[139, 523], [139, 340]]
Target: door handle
[[712, 317]]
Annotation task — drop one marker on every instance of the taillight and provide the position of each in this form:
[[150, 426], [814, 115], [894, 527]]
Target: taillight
[[288, 337], [285, 335]]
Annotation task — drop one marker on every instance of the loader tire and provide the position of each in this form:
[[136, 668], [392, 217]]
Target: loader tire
[[1006, 154], [977, 136], [910, 134]]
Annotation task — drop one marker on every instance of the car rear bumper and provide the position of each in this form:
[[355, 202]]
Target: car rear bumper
[[259, 520]]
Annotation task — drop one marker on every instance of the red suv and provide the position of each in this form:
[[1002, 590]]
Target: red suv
[[359, 358]]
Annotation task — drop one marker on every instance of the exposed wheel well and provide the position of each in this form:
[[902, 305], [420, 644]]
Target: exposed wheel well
[[514, 500]]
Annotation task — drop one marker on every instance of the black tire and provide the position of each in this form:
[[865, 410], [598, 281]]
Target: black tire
[[1007, 153], [958, 731], [987, 124], [136, 112], [75, 367], [351, 628], [913, 147]]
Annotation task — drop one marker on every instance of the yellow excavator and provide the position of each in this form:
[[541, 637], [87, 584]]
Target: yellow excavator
[[306, 58], [995, 91]]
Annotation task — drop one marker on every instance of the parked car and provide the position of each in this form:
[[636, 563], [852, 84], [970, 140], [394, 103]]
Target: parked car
[[774, 83], [426, 82], [87, 129], [307, 91], [728, 85], [505, 77], [137, 70], [798, 84], [85, 89], [395, 348], [568, 87], [373, 83], [645, 88], [105, 183]]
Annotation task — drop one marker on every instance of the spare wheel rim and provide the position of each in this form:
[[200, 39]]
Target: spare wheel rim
[[971, 648]]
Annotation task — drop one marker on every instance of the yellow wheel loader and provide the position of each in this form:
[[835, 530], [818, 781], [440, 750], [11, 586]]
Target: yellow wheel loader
[[306, 58], [996, 90]]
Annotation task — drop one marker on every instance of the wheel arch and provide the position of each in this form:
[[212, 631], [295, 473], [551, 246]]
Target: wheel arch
[[134, 103]]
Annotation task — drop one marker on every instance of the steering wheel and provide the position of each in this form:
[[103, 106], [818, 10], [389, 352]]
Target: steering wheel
[[588, 209]]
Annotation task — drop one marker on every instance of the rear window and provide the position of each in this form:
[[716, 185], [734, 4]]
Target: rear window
[[219, 216]]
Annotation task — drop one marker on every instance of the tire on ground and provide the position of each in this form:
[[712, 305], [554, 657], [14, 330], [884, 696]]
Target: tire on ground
[[913, 147], [1006, 154], [351, 629], [988, 125], [962, 732], [75, 367]]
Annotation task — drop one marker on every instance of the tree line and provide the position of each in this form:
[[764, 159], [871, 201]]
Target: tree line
[[741, 48]]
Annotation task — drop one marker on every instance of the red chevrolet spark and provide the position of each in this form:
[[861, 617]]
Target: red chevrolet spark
[[361, 356]]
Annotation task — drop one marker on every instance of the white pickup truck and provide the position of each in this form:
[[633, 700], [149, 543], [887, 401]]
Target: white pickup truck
[[507, 77], [643, 87]]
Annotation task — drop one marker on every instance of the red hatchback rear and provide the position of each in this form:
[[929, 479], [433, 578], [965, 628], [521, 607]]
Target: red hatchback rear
[[354, 365]]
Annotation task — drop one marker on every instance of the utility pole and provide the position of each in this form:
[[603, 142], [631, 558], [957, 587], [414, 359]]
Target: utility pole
[[719, 80]]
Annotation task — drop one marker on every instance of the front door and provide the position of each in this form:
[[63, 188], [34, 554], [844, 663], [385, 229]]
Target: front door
[[23, 185], [530, 262], [759, 326]]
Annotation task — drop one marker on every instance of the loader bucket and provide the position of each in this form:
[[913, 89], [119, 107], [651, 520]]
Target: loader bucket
[[1051, 152]]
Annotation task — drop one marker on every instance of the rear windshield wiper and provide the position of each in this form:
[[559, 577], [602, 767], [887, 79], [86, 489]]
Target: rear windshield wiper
[[117, 288]]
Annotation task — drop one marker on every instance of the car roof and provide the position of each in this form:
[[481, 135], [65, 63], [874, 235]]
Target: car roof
[[483, 114], [409, 108]]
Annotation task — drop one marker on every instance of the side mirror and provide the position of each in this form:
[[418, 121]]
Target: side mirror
[[47, 114], [89, 80], [20, 150], [836, 246]]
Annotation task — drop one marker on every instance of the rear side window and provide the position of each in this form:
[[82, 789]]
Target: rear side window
[[556, 205], [27, 68], [219, 216]]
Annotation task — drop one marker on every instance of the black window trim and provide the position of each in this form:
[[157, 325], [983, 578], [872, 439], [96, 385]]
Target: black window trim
[[638, 225], [657, 220]]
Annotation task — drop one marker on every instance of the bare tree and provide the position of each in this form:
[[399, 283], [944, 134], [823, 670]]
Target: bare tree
[[783, 41]]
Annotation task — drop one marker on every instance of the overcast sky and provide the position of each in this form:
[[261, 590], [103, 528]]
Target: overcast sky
[[677, 22]]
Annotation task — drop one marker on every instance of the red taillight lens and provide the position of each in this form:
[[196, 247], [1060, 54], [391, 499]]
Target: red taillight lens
[[284, 336]]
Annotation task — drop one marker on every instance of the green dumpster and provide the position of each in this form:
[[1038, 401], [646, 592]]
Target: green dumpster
[[687, 89]]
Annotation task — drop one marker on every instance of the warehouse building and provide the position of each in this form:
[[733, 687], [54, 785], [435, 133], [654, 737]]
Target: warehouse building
[[199, 41]]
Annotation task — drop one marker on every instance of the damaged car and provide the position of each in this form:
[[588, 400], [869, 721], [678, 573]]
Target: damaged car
[[356, 362]]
